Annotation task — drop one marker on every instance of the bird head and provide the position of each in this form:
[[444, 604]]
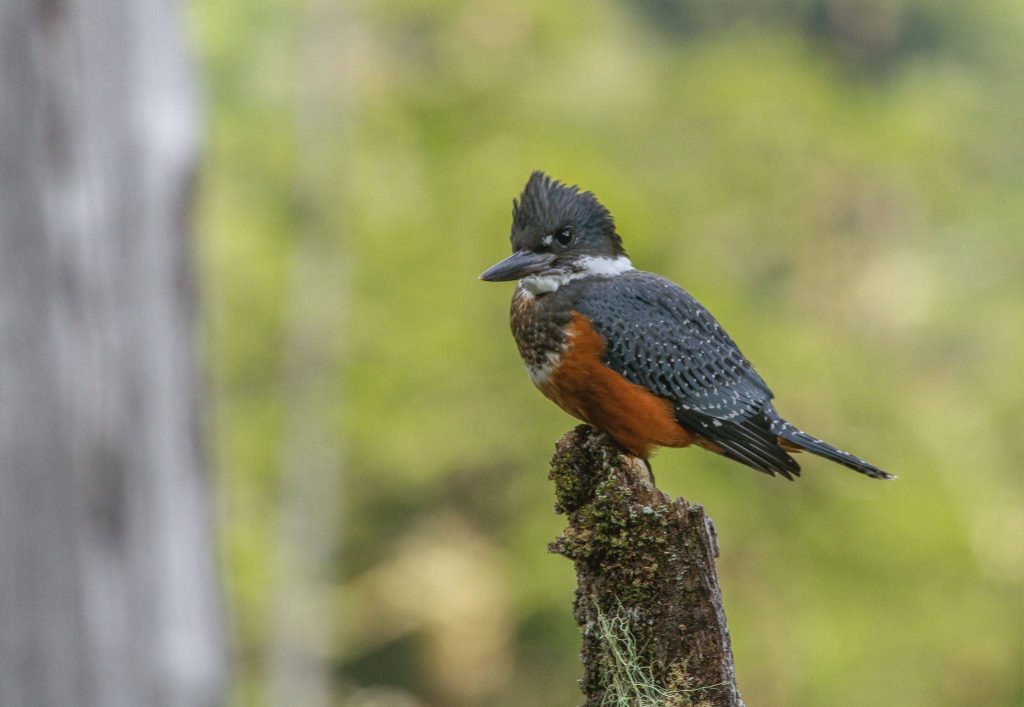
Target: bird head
[[558, 233]]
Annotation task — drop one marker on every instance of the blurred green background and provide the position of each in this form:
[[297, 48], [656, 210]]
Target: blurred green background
[[840, 181]]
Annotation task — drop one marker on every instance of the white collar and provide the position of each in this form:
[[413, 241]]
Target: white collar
[[587, 266]]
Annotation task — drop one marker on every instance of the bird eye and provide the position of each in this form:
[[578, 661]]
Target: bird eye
[[565, 237]]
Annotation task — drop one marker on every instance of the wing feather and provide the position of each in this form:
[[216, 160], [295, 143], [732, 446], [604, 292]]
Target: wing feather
[[660, 337]]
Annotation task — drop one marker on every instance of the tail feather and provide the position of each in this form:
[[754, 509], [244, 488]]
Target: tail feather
[[749, 442], [786, 432]]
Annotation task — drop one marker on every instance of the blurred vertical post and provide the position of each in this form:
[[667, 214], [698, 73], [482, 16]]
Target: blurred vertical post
[[108, 582], [302, 638]]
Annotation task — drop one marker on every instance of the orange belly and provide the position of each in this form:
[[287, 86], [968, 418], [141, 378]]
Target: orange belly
[[583, 386]]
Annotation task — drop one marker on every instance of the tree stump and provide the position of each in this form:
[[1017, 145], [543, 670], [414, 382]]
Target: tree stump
[[647, 598]]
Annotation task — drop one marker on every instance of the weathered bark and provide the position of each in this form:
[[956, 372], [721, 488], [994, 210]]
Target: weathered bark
[[108, 589], [647, 599]]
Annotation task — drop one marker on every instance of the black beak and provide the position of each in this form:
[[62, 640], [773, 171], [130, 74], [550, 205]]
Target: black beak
[[519, 264]]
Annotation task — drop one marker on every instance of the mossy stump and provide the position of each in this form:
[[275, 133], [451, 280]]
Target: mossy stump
[[647, 596]]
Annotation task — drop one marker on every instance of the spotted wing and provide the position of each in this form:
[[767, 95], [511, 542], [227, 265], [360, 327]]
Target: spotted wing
[[660, 337]]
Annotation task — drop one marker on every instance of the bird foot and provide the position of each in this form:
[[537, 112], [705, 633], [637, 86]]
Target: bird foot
[[650, 472]]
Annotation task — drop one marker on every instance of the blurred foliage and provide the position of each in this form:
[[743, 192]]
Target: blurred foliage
[[840, 181]]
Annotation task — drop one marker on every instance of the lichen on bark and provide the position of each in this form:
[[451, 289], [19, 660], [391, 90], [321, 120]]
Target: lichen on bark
[[647, 598]]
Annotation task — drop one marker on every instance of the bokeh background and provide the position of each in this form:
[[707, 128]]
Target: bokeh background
[[840, 181]]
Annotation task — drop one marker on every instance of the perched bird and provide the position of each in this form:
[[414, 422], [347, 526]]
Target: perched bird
[[630, 352]]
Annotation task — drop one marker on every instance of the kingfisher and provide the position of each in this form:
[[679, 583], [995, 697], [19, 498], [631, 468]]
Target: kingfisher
[[630, 352]]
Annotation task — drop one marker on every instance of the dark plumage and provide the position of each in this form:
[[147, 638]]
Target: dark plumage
[[660, 337], [546, 206], [655, 344]]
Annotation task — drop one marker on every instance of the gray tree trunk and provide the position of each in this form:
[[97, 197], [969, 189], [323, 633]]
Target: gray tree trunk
[[108, 591], [647, 597]]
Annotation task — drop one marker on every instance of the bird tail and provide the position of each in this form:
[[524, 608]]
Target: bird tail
[[800, 440]]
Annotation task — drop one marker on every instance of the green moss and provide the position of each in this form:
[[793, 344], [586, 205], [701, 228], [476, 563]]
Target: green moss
[[625, 538], [629, 669]]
